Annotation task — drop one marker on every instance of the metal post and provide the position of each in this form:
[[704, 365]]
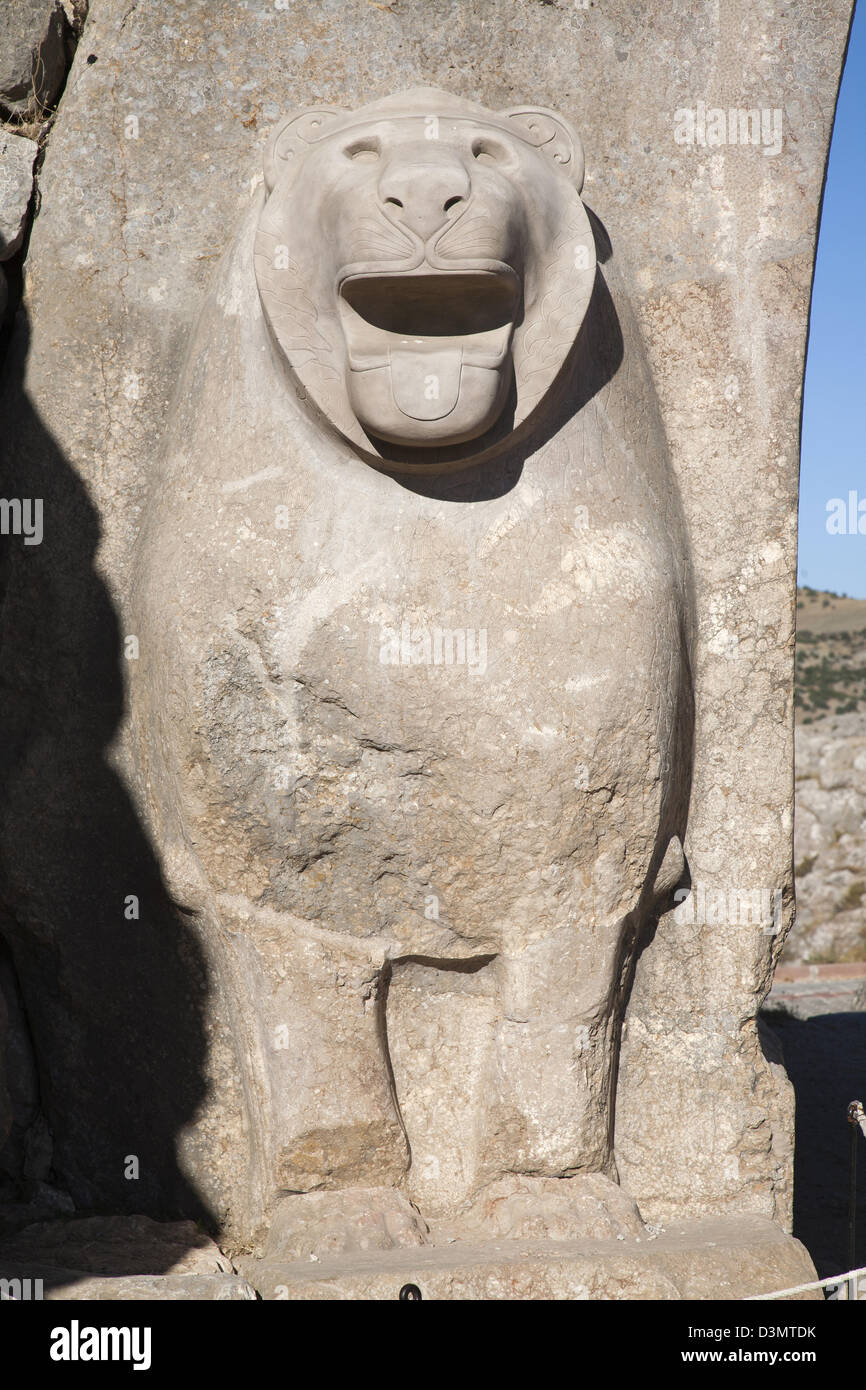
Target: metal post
[[857, 1120]]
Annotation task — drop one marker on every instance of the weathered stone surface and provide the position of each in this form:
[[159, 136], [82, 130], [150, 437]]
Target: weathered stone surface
[[245, 659], [111, 1257], [73, 1285], [330, 795], [33, 54], [522, 1208], [25, 1156], [326, 1224], [40, 1202], [6, 1116], [116, 1245], [830, 840], [17, 155], [713, 1260]]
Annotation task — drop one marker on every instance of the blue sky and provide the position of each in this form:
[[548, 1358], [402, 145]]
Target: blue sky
[[833, 461]]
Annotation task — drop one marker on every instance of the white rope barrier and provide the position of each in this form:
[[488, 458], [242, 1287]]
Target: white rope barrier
[[851, 1286]]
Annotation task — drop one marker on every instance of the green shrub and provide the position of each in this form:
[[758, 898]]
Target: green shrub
[[852, 897]]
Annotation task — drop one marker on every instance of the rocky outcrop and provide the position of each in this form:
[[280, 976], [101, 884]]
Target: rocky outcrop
[[169, 1085], [17, 156], [830, 840], [115, 1245], [728, 1259], [35, 43], [109, 1257]]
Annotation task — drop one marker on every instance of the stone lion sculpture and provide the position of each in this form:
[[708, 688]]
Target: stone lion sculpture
[[413, 703], [442, 287]]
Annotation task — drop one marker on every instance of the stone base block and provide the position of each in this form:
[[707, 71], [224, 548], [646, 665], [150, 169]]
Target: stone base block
[[34, 1283], [720, 1258]]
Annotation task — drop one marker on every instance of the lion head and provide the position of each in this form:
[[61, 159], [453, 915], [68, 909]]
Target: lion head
[[424, 265]]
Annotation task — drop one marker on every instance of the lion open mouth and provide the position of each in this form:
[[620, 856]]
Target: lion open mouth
[[432, 337]]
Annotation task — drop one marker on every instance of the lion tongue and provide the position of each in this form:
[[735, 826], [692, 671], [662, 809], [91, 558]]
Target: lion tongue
[[426, 384]]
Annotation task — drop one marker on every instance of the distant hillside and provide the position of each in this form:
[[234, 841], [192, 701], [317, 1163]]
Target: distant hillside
[[820, 610], [831, 655], [830, 795]]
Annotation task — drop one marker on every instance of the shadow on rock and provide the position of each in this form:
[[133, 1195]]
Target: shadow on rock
[[825, 1058], [113, 1003]]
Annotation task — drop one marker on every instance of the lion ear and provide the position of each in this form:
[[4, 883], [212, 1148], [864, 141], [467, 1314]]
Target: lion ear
[[554, 135], [293, 135]]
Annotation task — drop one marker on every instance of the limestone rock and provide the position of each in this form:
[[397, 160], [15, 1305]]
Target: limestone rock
[[587, 1206], [721, 1259], [323, 1225], [17, 155], [301, 771], [26, 1154], [110, 1257], [33, 54], [830, 840], [72, 1285], [373, 367], [6, 1115], [115, 1246], [501, 999]]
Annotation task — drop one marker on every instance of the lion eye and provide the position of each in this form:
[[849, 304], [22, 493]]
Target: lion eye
[[363, 151], [488, 151]]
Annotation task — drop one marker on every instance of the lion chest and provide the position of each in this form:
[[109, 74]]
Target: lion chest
[[430, 699]]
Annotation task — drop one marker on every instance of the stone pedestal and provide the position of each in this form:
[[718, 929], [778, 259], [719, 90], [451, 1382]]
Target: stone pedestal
[[723, 1258]]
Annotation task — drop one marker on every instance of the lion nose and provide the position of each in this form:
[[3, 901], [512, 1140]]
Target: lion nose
[[423, 196]]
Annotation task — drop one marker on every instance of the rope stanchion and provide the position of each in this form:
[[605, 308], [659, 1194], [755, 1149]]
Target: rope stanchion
[[857, 1120], [853, 1283]]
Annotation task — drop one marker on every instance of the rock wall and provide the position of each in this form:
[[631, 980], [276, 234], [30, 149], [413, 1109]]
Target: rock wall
[[711, 223], [829, 841], [37, 44]]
